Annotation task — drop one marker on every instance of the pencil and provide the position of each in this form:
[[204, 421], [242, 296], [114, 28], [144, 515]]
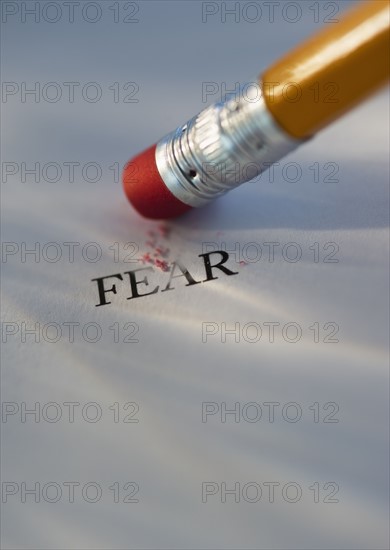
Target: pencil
[[299, 95]]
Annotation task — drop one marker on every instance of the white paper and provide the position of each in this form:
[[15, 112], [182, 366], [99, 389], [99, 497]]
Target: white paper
[[170, 453]]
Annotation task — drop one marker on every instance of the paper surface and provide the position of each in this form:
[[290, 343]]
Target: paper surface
[[141, 414]]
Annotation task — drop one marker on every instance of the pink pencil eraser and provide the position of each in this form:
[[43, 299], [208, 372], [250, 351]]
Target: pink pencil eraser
[[147, 191]]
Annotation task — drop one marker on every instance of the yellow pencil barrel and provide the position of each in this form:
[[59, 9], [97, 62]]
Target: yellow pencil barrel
[[331, 72]]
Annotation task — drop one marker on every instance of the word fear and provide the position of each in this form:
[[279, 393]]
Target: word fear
[[138, 278]]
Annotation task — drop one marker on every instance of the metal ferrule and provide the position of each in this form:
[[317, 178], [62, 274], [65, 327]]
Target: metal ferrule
[[222, 147]]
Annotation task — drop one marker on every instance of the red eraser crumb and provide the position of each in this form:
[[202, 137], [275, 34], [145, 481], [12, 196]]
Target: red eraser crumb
[[146, 190]]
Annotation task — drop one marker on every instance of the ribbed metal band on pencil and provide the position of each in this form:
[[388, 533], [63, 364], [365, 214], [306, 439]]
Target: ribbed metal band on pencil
[[222, 147]]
